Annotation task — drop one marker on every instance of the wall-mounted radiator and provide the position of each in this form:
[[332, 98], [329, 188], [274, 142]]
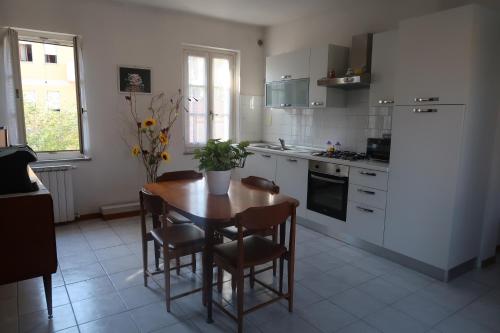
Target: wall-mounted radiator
[[58, 180]]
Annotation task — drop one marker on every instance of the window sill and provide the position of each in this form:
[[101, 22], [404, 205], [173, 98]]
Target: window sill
[[60, 157]]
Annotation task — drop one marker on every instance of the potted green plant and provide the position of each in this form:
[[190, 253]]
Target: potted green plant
[[217, 159]]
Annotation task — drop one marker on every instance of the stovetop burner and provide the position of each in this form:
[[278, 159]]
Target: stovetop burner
[[342, 155]]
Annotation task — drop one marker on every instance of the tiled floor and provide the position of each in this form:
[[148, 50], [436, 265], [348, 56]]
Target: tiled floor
[[99, 288]]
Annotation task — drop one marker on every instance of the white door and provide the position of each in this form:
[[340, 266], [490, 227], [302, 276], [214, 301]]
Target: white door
[[384, 55], [425, 149], [291, 177], [434, 53], [209, 83]]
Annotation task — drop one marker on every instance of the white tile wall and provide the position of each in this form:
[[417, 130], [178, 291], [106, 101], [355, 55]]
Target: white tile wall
[[350, 126], [250, 118]]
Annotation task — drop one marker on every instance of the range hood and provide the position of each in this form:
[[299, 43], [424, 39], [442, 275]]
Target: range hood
[[360, 61]]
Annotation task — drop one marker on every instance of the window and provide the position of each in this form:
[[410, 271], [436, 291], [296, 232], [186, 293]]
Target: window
[[209, 82], [25, 52], [50, 53], [57, 88], [53, 101]]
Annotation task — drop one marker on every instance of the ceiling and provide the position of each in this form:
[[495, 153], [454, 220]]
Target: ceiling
[[258, 12], [273, 12]]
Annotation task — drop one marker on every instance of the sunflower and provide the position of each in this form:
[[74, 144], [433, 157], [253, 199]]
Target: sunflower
[[165, 156], [136, 150], [163, 138], [149, 122]]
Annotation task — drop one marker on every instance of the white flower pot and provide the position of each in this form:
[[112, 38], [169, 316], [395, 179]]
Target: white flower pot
[[218, 181]]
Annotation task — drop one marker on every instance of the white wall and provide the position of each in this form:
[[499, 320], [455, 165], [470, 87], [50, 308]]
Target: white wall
[[115, 34]]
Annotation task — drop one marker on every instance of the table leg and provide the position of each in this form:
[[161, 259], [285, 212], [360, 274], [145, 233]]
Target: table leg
[[209, 264]]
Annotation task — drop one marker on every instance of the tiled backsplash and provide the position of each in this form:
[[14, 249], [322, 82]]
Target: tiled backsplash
[[350, 126]]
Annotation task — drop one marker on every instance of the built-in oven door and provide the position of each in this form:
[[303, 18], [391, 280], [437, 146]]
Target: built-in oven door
[[327, 194]]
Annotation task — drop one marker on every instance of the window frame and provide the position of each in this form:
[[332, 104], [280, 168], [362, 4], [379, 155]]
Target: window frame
[[60, 39], [209, 54], [27, 54]]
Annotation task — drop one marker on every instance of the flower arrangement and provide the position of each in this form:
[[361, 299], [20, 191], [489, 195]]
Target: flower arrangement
[[153, 132]]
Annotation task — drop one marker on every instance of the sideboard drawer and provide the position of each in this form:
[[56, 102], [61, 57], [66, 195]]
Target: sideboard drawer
[[369, 178]]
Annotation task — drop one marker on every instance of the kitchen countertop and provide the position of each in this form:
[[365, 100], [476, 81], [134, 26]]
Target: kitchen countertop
[[305, 153]]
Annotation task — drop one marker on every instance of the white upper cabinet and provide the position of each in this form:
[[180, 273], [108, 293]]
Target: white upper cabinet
[[434, 53], [288, 66], [323, 60], [384, 56]]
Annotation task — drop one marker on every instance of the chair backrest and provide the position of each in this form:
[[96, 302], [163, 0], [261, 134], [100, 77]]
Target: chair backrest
[[178, 175], [261, 218], [151, 203], [262, 183]]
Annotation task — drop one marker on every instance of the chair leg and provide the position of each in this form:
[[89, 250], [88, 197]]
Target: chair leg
[[239, 295], [252, 277], [178, 265], [220, 277], [282, 261], [47, 285], [193, 262], [166, 271], [157, 256], [290, 264], [145, 261], [275, 241], [233, 282]]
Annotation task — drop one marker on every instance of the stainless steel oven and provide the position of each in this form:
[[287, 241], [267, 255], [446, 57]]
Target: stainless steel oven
[[327, 189]]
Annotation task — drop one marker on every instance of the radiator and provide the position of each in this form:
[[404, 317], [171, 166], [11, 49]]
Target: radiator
[[58, 180]]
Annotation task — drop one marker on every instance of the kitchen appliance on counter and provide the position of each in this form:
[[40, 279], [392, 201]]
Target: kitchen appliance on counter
[[378, 149], [341, 155], [327, 189]]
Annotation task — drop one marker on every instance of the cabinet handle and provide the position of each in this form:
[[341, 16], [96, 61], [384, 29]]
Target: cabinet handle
[[287, 76], [366, 192], [366, 210], [364, 173], [317, 103], [285, 105], [291, 160], [266, 156], [348, 79], [385, 101], [426, 99], [417, 110]]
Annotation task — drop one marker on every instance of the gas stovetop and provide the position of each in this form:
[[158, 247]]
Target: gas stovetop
[[342, 155]]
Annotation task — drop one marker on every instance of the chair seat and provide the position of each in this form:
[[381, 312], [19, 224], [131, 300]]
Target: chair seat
[[180, 235], [232, 232], [177, 218], [257, 250]]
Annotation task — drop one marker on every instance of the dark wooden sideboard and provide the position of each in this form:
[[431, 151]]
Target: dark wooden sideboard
[[27, 238]]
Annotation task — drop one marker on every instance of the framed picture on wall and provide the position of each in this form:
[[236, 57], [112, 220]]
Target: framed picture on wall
[[133, 78]]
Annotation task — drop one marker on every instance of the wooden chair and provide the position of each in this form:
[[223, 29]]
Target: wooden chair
[[173, 216], [176, 240], [232, 232], [253, 250]]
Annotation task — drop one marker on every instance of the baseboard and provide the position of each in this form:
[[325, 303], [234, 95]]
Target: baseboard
[[489, 261], [121, 215], [91, 216]]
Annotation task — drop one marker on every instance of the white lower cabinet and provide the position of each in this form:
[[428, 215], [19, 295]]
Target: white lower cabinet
[[260, 165], [366, 204], [366, 222], [291, 177]]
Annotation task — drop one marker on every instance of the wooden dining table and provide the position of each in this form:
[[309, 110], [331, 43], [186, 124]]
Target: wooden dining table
[[211, 212]]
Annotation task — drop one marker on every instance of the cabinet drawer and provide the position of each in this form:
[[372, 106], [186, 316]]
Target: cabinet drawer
[[369, 178], [367, 195], [366, 222]]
